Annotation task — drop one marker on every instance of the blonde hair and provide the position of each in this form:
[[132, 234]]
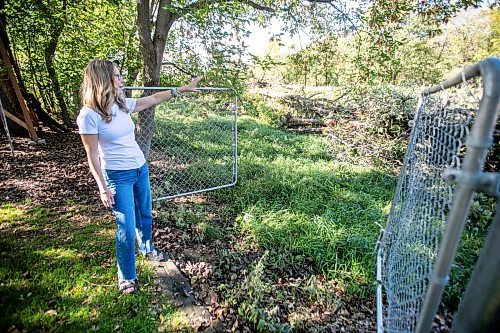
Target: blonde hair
[[98, 91]]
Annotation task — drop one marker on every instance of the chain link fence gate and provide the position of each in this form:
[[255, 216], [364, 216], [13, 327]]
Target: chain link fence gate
[[194, 143], [442, 169]]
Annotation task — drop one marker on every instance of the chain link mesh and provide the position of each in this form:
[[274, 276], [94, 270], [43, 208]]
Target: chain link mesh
[[422, 202], [194, 143], [6, 128]]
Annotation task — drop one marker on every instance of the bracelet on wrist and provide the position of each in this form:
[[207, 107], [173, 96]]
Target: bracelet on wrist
[[175, 92]]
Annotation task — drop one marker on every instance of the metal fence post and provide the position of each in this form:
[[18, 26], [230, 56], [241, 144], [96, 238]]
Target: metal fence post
[[478, 143], [479, 310]]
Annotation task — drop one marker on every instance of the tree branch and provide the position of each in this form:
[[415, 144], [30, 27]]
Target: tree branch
[[345, 16], [258, 6], [201, 3], [179, 68]]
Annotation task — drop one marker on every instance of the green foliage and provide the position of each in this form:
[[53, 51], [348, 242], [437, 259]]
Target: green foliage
[[398, 47], [314, 64], [481, 213], [471, 243], [58, 274], [390, 44], [90, 29]]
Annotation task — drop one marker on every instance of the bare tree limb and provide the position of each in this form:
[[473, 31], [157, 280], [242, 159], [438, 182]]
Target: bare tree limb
[[257, 6], [179, 68], [201, 3]]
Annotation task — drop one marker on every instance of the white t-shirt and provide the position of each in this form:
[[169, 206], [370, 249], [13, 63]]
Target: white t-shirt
[[116, 143]]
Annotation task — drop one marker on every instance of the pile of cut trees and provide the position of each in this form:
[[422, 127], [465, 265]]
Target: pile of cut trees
[[309, 115]]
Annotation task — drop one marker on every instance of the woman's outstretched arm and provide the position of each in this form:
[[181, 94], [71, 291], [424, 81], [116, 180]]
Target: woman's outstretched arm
[[162, 96]]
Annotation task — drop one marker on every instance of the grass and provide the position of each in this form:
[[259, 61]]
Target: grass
[[294, 201], [294, 197], [58, 274], [292, 194]]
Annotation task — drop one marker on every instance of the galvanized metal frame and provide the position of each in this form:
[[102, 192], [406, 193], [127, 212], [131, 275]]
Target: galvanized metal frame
[[234, 144], [468, 179]]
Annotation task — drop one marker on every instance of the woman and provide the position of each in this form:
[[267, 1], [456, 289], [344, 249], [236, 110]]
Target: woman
[[118, 164]]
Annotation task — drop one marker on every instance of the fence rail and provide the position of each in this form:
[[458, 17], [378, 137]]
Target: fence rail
[[442, 170]]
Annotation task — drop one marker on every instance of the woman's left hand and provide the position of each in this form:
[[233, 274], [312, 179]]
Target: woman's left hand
[[191, 87]]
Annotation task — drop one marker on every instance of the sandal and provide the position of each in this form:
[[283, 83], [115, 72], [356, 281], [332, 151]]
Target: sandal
[[155, 255], [127, 287]]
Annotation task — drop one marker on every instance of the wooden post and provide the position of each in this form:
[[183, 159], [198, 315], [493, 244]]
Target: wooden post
[[19, 95]]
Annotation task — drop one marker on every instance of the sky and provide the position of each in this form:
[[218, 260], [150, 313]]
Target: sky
[[259, 39]]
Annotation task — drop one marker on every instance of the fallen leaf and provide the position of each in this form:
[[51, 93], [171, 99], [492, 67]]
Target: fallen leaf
[[51, 313]]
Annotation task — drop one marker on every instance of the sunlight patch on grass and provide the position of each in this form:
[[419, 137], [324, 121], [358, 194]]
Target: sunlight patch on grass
[[294, 197], [10, 213], [62, 276], [62, 255]]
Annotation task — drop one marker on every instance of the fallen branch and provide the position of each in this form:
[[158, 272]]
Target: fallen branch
[[296, 122], [307, 129]]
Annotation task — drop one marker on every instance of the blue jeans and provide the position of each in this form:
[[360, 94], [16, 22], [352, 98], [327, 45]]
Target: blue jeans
[[133, 213]]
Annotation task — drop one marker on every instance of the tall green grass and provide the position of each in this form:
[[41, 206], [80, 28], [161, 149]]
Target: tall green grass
[[292, 196]]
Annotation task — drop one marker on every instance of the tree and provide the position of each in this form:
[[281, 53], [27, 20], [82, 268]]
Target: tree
[[11, 84], [56, 25], [155, 19], [54, 40], [384, 34]]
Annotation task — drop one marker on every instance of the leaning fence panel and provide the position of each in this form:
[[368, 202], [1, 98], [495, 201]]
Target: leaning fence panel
[[450, 137], [194, 142]]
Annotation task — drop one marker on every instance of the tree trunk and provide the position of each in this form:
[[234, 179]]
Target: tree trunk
[[297, 122], [152, 47], [56, 29], [305, 74], [49, 62]]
